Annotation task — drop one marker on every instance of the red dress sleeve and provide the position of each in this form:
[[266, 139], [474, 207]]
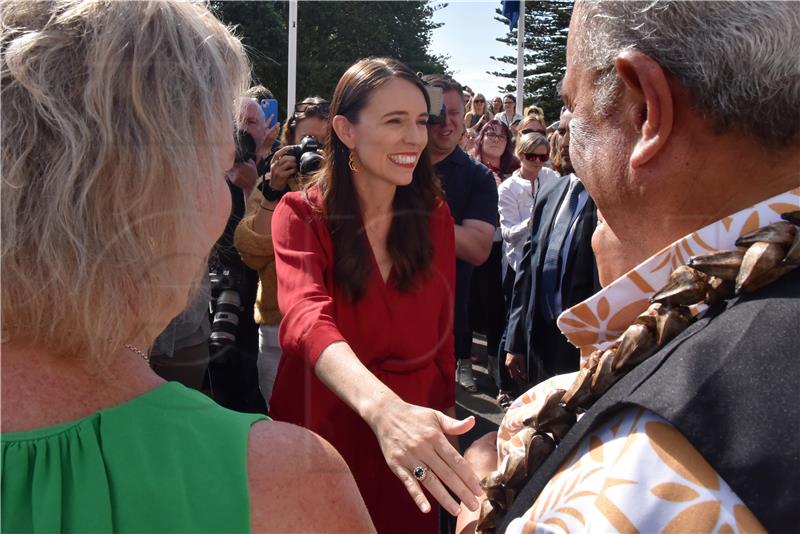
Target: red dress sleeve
[[444, 241], [303, 252]]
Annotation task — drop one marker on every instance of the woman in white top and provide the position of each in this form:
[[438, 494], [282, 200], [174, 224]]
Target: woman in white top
[[515, 202]]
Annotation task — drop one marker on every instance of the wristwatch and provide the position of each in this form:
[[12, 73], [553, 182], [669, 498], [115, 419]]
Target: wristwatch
[[270, 194]]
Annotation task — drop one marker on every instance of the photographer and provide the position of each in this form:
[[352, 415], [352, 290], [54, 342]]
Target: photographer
[[234, 334], [252, 153], [271, 143], [253, 239]]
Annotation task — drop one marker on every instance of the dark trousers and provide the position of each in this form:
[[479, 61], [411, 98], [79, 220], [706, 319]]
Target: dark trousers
[[503, 378], [487, 306]]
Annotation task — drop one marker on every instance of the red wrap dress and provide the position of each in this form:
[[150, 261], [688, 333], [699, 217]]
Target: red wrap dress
[[404, 338]]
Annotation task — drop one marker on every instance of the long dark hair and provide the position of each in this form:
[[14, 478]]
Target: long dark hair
[[508, 162], [409, 241]]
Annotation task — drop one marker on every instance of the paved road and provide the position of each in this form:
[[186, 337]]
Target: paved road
[[481, 404]]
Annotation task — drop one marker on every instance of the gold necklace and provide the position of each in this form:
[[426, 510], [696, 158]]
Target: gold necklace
[[136, 350], [763, 256]]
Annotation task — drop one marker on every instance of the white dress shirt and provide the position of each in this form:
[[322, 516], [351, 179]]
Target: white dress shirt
[[515, 202]]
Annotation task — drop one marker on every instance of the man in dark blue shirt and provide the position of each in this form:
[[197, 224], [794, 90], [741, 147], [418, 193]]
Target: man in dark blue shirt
[[471, 194]]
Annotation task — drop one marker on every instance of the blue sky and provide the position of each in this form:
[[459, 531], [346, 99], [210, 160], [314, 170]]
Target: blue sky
[[468, 37]]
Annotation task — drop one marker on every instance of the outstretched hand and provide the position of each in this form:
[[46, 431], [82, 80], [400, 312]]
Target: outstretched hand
[[516, 368], [412, 436]]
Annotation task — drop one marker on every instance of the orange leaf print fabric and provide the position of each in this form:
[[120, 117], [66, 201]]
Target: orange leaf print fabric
[[635, 473], [600, 319]]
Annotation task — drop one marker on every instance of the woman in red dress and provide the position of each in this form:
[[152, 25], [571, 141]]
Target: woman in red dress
[[365, 258]]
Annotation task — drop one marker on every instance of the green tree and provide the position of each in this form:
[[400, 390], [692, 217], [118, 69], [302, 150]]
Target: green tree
[[262, 28], [546, 26], [331, 36]]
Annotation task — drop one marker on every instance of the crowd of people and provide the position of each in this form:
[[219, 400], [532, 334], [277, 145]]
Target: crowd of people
[[631, 266]]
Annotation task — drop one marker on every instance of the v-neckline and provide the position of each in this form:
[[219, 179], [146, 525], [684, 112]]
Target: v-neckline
[[384, 281]]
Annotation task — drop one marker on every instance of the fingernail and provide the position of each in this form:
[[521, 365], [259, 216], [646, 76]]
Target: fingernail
[[455, 510], [425, 508]]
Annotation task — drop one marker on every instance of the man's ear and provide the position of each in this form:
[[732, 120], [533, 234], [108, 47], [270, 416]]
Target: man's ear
[[345, 130], [653, 110]]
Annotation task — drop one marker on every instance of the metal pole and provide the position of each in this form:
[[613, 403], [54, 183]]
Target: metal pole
[[520, 56], [291, 87]]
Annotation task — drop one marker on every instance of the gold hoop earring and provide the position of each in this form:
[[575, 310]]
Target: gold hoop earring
[[351, 162]]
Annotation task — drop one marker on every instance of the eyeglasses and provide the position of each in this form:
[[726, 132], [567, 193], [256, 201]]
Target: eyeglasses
[[528, 130], [533, 157], [494, 135]]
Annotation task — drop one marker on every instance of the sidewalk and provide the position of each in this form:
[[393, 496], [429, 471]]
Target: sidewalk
[[481, 404]]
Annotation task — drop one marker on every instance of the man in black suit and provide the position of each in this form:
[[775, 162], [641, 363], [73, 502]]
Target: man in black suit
[[557, 271]]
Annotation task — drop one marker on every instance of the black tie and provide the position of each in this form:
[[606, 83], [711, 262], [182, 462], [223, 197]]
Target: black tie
[[551, 270]]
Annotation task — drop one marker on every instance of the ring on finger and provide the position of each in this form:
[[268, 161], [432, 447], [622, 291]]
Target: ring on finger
[[420, 472]]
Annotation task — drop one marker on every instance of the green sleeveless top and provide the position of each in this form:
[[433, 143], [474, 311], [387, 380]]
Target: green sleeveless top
[[170, 460]]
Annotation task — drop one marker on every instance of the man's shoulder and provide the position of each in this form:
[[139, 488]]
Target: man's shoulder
[[548, 174], [765, 320], [553, 188], [461, 164]]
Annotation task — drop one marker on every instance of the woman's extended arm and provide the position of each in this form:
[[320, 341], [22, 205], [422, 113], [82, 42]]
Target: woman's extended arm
[[409, 435]]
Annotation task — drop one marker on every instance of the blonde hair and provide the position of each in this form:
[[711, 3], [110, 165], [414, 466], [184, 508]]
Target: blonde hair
[[472, 109], [527, 119], [536, 111], [111, 115], [528, 143]]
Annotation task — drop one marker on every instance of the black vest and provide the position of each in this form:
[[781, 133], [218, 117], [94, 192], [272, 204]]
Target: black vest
[[731, 384]]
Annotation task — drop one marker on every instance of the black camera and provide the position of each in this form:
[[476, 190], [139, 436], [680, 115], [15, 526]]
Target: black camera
[[226, 308], [306, 154], [245, 146]]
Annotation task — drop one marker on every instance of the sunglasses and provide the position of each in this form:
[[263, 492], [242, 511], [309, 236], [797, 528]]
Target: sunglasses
[[528, 130], [479, 101], [318, 108], [542, 158]]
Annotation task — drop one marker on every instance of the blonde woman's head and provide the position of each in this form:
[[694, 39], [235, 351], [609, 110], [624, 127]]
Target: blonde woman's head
[[116, 132]]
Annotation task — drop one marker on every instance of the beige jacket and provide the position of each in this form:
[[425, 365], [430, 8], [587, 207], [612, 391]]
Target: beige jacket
[[257, 253]]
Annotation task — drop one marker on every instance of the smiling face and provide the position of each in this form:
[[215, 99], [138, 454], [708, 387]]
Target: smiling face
[[390, 133], [445, 137]]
